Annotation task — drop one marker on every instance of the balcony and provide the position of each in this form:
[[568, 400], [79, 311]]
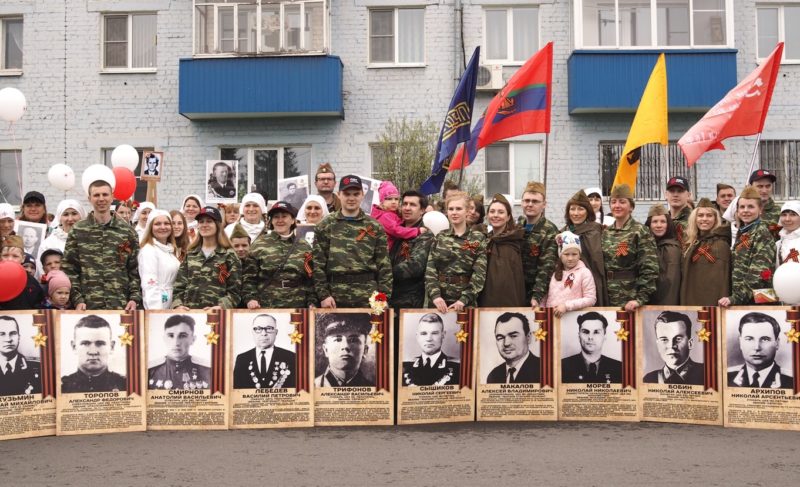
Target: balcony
[[260, 87], [608, 81]]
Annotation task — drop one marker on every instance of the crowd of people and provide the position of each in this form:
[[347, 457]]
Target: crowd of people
[[123, 255]]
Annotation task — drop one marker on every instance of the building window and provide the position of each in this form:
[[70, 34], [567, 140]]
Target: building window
[[653, 23], [265, 166], [510, 166], [9, 177], [141, 186], [652, 180], [11, 43], [129, 41], [383, 161], [775, 25], [259, 26], [511, 34], [397, 36], [782, 158]]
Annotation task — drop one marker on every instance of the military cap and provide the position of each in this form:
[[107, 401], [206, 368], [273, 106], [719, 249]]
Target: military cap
[[210, 212], [580, 199], [33, 196], [705, 203], [761, 174], [346, 323], [656, 210], [13, 241], [535, 187], [239, 232], [678, 182], [324, 168], [285, 207], [350, 181], [623, 191], [750, 193]]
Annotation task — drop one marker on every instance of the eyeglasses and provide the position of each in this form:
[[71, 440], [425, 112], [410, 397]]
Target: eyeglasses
[[326, 179], [264, 329], [532, 202]]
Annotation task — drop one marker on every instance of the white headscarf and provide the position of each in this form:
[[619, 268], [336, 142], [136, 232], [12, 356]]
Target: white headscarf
[[253, 198], [193, 196], [301, 214], [63, 206], [139, 211]]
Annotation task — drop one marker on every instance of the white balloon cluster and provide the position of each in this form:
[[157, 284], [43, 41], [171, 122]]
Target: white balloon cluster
[[435, 221], [125, 156]]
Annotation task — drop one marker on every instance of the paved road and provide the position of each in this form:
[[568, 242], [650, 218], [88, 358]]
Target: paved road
[[507, 454]]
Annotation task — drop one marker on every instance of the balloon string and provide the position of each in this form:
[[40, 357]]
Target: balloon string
[[16, 159]]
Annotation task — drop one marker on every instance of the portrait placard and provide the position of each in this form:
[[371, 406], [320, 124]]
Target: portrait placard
[[437, 377], [186, 370], [32, 235], [27, 375], [352, 363], [305, 231], [597, 365], [370, 187], [516, 375], [293, 190], [152, 166], [270, 381], [100, 360], [221, 181], [679, 364], [762, 362]]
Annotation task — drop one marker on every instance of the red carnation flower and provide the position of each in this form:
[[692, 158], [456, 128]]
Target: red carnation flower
[[766, 274], [380, 297]]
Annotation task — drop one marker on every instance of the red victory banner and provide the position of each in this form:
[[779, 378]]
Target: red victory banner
[[708, 335], [544, 334], [466, 338], [627, 335], [43, 321], [299, 319], [131, 339]]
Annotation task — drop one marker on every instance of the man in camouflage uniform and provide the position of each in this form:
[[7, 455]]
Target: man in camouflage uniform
[[325, 181], [409, 257], [178, 370], [764, 182], [101, 257], [678, 197], [630, 255], [540, 252], [93, 344], [351, 260]]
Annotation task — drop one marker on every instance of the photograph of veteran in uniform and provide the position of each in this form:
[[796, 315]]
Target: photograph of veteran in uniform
[[94, 354], [19, 374], [180, 369], [221, 182], [511, 334], [343, 356], [672, 337], [266, 366], [591, 364], [425, 362], [756, 342]]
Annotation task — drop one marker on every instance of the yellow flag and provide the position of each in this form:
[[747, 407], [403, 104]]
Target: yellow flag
[[649, 125]]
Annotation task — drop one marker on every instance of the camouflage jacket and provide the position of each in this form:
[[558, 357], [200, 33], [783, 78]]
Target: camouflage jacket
[[409, 260], [292, 287], [539, 255], [101, 261], [203, 281], [771, 215], [351, 260], [454, 257], [680, 223], [753, 260], [630, 250]]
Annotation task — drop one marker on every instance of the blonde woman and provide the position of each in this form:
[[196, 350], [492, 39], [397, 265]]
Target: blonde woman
[[158, 264]]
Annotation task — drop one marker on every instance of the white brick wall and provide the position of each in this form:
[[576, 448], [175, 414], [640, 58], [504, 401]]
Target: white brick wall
[[75, 111]]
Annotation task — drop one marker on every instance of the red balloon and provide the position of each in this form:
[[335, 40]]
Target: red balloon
[[126, 183], [13, 278]]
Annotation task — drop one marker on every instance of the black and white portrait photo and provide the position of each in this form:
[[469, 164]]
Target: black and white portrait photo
[[370, 187], [32, 235], [152, 166], [263, 353], [509, 353], [344, 355], [590, 349], [431, 353], [293, 190], [758, 352], [178, 353], [92, 359], [673, 354], [20, 365], [221, 178]]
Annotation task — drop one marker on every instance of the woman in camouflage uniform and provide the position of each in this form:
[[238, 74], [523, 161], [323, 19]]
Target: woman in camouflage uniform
[[456, 268], [629, 254], [210, 276], [753, 251], [278, 272]]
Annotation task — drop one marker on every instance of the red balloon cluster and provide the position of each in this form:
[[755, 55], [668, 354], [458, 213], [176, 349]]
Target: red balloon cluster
[[126, 183], [12, 280]]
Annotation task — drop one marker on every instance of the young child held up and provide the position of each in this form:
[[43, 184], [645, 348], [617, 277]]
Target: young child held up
[[58, 288], [387, 215], [572, 285]]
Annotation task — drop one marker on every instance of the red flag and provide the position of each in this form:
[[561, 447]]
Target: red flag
[[521, 107], [741, 111]]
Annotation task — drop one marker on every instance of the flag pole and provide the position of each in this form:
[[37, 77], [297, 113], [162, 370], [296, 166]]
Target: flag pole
[[546, 140], [665, 173], [461, 169], [753, 158]]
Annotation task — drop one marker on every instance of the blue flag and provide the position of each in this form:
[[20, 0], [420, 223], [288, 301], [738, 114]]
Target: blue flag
[[456, 125]]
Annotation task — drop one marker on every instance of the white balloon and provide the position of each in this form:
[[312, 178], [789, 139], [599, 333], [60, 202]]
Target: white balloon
[[12, 104], [435, 221], [61, 177], [125, 156], [97, 172], [786, 282]]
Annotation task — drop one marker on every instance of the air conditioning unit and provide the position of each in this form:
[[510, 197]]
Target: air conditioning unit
[[490, 77]]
